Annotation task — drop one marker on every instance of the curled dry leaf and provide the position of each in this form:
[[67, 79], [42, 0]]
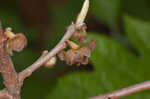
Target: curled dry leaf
[[17, 43]]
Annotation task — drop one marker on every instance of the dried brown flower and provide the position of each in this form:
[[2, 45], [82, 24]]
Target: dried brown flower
[[17, 43], [79, 56], [81, 34]]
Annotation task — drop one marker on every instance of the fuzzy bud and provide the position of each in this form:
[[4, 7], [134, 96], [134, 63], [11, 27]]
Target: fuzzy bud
[[82, 15], [51, 62]]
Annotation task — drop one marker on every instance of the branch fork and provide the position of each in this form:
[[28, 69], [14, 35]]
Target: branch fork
[[16, 42]]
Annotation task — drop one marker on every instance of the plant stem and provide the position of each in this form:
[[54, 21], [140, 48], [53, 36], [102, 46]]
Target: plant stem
[[125, 91]]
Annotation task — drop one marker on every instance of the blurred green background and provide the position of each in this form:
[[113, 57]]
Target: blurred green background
[[120, 27]]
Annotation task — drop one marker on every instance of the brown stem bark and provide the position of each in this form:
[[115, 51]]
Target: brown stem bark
[[7, 69]]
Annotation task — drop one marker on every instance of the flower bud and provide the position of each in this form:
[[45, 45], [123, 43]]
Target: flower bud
[[83, 13], [51, 62]]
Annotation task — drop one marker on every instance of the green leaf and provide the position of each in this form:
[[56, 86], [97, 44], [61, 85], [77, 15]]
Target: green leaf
[[115, 67], [140, 9], [139, 34], [107, 11]]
